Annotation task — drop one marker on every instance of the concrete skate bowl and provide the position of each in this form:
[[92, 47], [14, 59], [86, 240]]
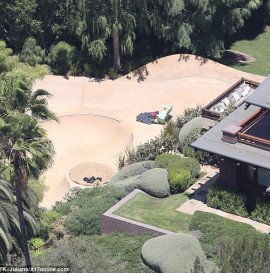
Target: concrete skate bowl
[[80, 138], [90, 174]]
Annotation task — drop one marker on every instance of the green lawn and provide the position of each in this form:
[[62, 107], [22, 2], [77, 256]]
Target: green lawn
[[258, 48], [159, 212]]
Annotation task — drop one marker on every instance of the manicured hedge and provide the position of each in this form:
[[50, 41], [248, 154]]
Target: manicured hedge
[[153, 182], [227, 199], [131, 171], [261, 213], [188, 128], [174, 161], [179, 180], [174, 253]]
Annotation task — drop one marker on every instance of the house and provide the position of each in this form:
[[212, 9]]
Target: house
[[234, 96], [242, 140]]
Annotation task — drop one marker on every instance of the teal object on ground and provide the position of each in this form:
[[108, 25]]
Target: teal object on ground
[[163, 116]]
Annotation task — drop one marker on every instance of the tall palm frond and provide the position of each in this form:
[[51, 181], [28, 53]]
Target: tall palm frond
[[25, 151], [10, 240]]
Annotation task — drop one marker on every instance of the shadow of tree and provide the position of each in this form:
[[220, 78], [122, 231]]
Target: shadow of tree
[[186, 58], [141, 73], [96, 80], [230, 58]]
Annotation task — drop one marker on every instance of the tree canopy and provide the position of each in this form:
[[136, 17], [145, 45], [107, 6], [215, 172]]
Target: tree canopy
[[104, 30]]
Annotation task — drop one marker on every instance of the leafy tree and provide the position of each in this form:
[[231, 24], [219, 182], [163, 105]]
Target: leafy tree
[[58, 22], [61, 57], [25, 150], [6, 62], [19, 21], [32, 53], [100, 21], [201, 26]]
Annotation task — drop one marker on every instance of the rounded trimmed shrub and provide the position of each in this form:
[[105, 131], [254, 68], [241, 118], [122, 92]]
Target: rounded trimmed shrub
[[131, 171], [174, 253], [174, 161], [188, 128], [179, 180], [153, 182]]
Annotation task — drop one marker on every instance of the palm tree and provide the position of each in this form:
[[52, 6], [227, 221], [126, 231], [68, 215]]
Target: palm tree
[[25, 150], [9, 224]]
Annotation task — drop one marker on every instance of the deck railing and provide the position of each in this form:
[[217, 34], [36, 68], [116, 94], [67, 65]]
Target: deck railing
[[206, 113], [210, 114], [254, 141]]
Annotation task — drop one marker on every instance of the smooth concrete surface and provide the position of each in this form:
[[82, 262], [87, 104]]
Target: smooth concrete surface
[[178, 80]]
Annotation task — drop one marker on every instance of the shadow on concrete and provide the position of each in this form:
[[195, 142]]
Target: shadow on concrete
[[186, 57], [141, 73], [201, 193], [96, 80]]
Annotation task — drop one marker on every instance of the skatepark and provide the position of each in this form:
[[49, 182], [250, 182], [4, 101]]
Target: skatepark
[[98, 118]]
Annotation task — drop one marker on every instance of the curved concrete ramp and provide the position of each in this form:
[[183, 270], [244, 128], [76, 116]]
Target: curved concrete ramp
[[183, 67], [80, 138]]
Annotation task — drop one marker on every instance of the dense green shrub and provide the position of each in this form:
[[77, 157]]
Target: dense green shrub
[[167, 161], [189, 114], [227, 199], [108, 253], [81, 254], [45, 222], [151, 149], [34, 245], [131, 171], [170, 129], [188, 128], [261, 213], [61, 57], [154, 182], [179, 180], [87, 209], [201, 156], [174, 253], [112, 74], [174, 161], [215, 227], [7, 61], [240, 254], [32, 53]]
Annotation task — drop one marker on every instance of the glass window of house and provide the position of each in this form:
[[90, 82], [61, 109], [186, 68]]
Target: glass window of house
[[263, 177]]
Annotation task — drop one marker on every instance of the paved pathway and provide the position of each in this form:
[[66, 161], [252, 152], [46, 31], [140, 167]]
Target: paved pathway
[[199, 200]]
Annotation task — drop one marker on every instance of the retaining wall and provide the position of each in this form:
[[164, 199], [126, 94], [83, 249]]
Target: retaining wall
[[112, 223]]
